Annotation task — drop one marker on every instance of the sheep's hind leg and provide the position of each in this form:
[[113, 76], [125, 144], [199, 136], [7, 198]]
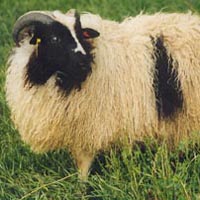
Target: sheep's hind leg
[[83, 162]]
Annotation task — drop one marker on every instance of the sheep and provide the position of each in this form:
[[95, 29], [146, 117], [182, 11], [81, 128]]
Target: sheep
[[84, 83]]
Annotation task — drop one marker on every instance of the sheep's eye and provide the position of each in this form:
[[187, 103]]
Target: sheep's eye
[[54, 39]]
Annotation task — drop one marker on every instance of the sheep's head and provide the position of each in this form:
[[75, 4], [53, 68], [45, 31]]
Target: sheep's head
[[62, 48]]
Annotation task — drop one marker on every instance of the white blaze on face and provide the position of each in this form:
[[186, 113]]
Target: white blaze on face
[[69, 21]]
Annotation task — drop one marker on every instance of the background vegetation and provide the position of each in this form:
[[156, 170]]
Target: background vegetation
[[148, 173]]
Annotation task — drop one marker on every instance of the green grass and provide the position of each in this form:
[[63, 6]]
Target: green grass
[[151, 175]]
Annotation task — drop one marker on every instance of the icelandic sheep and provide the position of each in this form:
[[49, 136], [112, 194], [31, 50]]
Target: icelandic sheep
[[84, 83]]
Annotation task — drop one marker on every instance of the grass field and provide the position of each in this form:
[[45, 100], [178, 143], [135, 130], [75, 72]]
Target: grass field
[[143, 175]]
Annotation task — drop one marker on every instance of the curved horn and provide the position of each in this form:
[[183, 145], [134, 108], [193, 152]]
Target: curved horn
[[30, 19]]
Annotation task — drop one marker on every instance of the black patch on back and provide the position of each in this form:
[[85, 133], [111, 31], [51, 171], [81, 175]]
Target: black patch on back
[[167, 87], [55, 56]]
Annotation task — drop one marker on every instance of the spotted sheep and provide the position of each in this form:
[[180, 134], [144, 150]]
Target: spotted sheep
[[84, 83]]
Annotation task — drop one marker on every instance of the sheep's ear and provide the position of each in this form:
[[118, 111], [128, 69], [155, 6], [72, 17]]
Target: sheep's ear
[[33, 41], [90, 33]]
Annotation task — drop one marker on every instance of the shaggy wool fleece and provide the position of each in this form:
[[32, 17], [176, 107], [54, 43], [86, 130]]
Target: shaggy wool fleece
[[117, 100]]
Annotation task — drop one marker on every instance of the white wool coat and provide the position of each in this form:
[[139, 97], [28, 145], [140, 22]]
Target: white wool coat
[[117, 101]]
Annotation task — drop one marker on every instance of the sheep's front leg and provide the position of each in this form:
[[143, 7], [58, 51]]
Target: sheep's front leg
[[83, 162]]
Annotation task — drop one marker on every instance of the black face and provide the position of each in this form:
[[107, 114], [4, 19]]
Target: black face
[[55, 55]]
